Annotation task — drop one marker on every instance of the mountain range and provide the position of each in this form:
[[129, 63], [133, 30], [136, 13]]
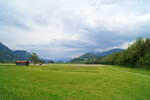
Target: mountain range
[[7, 55], [91, 56]]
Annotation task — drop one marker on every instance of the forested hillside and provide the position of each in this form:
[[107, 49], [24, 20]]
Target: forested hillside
[[8, 55], [137, 55], [91, 57]]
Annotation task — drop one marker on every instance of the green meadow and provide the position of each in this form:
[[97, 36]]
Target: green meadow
[[73, 82]]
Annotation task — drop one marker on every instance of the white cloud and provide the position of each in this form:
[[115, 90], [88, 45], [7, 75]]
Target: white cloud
[[126, 44], [93, 24]]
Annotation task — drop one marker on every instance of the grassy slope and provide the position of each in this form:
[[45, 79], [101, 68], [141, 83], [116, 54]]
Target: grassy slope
[[73, 82]]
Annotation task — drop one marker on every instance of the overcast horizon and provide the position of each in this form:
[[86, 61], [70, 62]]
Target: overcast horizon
[[68, 28]]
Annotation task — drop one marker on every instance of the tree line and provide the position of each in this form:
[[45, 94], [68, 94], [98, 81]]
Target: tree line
[[34, 58], [137, 55]]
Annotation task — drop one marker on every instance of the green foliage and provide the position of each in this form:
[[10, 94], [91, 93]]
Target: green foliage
[[145, 61], [34, 58], [137, 55]]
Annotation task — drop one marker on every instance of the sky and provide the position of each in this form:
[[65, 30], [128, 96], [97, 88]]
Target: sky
[[58, 29]]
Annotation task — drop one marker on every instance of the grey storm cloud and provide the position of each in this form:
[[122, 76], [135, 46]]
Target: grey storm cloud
[[69, 28]]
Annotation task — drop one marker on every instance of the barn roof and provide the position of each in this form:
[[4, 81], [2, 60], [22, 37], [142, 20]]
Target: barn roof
[[21, 61]]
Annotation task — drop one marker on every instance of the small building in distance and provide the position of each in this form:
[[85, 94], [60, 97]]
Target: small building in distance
[[22, 63]]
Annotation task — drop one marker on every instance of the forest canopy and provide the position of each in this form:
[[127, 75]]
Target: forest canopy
[[137, 55]]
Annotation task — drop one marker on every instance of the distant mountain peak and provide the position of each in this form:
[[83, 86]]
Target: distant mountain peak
[[6, 54], [95, 54]]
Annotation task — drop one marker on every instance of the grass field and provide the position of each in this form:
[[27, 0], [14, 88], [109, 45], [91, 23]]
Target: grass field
[[73, 82]]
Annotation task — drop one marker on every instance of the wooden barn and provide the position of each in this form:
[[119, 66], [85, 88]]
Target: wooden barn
[[22, 63]]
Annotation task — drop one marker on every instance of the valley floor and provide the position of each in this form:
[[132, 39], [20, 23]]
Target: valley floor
[[73, 82]]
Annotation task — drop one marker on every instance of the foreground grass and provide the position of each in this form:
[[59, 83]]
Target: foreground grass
[[73, 82]]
